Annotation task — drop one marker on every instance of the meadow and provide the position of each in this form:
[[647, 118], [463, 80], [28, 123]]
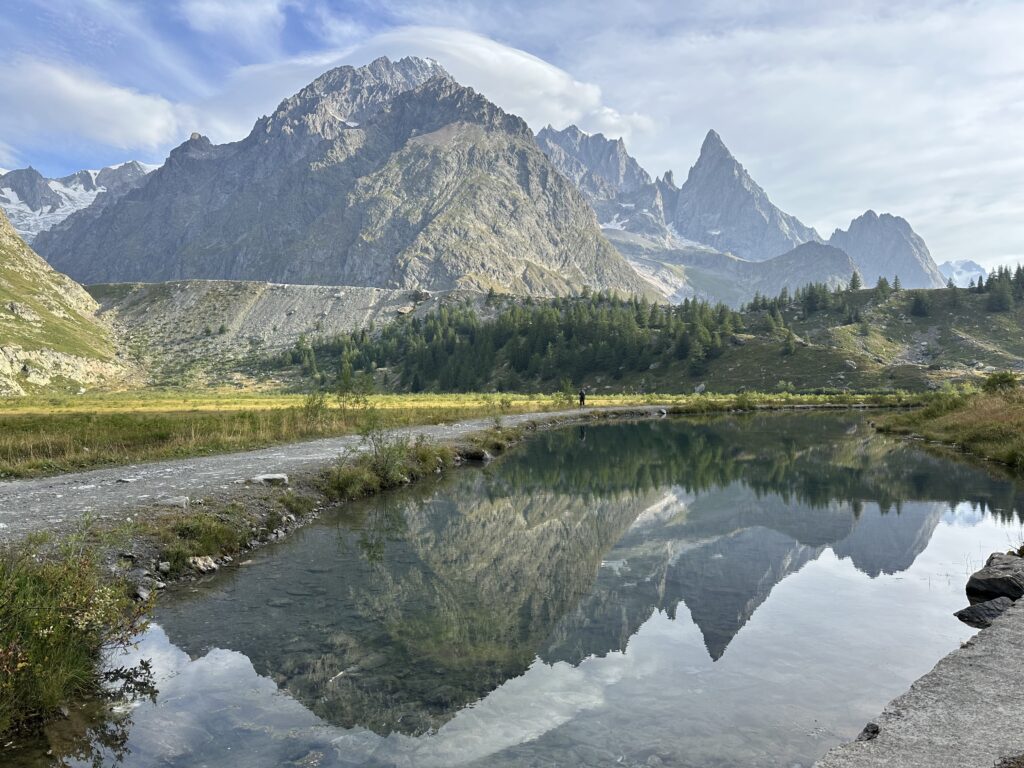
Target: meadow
[[44, 436]]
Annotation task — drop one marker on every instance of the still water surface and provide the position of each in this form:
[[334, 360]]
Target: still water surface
[[735, 592]]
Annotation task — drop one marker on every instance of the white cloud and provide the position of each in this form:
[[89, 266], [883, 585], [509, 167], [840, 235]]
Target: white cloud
[[515, 80], [43, 100]]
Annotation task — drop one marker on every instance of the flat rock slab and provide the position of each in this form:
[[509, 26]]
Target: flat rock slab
[[1002, 576], [966, 713], [981, 615]]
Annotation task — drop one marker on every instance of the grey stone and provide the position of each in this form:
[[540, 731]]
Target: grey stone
[[271, 479], [869, 732], [203, 564], [1002, 576], [181, 502], [982, 615], [164, 567]]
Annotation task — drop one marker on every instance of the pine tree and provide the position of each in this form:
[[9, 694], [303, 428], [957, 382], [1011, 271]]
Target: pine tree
[[855, 282], [897, 286]]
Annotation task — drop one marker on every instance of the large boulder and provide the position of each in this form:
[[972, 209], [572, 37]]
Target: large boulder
[[982, 615], [1002, 576]]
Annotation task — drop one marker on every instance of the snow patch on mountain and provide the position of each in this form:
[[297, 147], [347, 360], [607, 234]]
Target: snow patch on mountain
[[31, 213], [962, 272]]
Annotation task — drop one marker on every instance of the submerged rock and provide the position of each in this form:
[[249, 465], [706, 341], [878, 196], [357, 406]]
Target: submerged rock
[[182, 502], [1002, 576], [982, 615]]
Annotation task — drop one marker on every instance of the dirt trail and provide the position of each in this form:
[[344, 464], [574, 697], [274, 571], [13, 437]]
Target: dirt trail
[[113, 493]]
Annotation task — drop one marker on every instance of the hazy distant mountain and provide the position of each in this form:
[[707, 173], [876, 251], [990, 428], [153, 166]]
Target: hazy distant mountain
[[387, 175], [685, 272], [961, 272], [34, 203], [886, 246], [719, 214]]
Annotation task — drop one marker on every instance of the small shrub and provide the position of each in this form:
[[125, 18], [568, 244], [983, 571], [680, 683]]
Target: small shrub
[[297, 505], [58, 616], [1000, 383]]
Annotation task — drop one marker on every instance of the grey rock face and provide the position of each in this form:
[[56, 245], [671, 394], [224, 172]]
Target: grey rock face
[[721, 206], [886, 246], [1002, 576], [391, 175], [982, 615], [600, 167]]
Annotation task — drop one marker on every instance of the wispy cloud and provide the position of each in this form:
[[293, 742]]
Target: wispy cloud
[[45, 101], [912, 107]]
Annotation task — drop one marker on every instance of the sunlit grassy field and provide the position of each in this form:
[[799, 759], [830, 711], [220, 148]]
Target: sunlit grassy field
[[40, 436]]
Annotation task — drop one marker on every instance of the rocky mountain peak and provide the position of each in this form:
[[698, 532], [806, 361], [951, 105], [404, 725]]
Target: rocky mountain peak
[[599, 166], [885, 246], [344, 97], [720, 205]]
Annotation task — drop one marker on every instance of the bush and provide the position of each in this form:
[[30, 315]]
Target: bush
[[920, 305], [1000, 383], [58, 616]]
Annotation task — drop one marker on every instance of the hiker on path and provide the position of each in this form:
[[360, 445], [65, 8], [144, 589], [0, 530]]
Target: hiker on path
[[583, 397]]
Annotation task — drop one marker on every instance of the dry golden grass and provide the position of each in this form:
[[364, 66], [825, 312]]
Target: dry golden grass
[[40, 436], [987, 425]]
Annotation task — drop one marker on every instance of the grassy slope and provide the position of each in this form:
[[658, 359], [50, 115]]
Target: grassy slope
[[63, 308], [900, 351]]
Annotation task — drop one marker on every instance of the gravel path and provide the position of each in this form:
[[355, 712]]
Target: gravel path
[[61, 502]]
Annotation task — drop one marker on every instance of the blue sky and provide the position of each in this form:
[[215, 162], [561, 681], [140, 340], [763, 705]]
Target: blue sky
[[914, 108]]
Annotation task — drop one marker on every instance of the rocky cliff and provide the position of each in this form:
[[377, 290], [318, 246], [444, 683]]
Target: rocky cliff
[[390, 175]]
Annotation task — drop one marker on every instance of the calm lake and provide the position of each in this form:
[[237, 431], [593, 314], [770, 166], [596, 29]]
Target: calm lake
[[740, 591]]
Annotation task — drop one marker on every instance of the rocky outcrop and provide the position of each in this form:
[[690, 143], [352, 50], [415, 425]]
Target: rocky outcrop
[[887, 246], [1002, 576], [390, 175]]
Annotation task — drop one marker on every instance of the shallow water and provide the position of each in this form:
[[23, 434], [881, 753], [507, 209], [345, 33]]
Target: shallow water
[[741, 591]]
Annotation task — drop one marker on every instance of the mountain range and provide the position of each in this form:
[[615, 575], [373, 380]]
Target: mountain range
[[721, 211], [393, 175], [34, 203], [390, 175]]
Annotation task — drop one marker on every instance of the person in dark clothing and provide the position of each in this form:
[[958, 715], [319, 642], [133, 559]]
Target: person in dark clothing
[[583, 397]]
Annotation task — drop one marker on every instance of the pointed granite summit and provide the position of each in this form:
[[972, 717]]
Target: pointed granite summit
[[720, 205], [389, 175]]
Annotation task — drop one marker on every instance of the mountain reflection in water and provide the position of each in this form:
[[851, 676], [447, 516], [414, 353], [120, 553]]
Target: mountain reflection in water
[[557, 592]]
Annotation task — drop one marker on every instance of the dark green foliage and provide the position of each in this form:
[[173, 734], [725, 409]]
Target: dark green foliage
[[1003, 381], [530, 346], [855, 282], [920, 304]]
